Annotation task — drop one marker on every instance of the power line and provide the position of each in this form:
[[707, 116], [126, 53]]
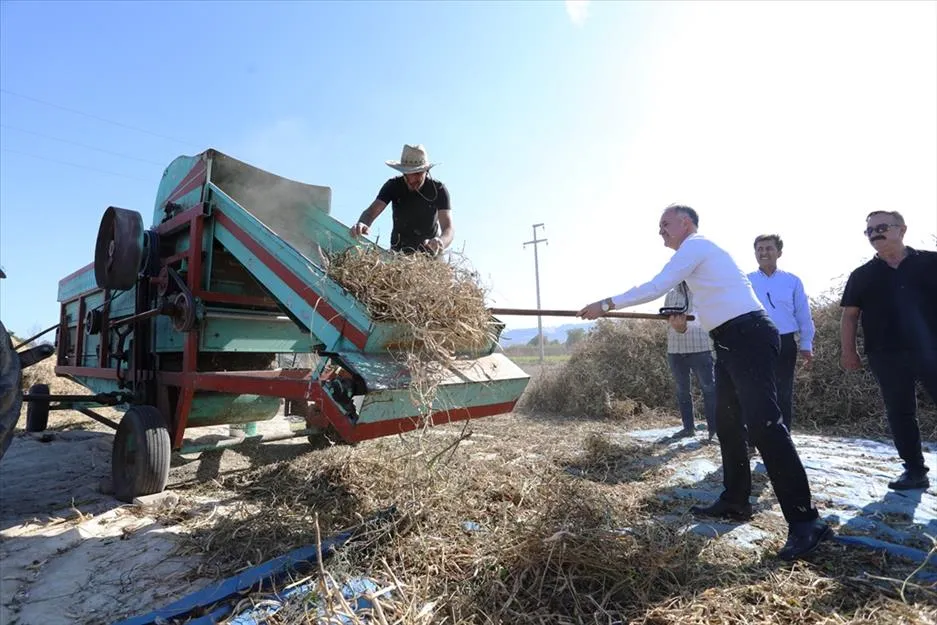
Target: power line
[[83, 145], [97, 117], [52, 160]]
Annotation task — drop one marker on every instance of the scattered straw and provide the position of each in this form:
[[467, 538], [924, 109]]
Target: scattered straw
[[530, 523]]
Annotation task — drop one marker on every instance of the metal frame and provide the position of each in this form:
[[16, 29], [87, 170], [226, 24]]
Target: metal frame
[[172, 392]]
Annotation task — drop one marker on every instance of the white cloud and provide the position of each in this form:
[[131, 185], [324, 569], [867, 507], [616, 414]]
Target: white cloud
[[578, 11]]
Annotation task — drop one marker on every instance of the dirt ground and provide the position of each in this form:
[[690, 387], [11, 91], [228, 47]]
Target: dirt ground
[[71, 553]]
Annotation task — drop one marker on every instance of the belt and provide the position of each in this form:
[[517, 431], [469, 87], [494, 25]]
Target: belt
[[734, 321]]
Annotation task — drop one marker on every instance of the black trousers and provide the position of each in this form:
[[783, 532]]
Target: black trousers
[[787, 361], [747, 351], [896, 373]]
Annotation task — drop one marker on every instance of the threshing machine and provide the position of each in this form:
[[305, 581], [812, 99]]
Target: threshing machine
[[179, 326]]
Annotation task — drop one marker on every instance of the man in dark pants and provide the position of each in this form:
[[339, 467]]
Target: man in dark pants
[[689, 353], [784, 299], [895, 296], [747, 346], [422, 214]]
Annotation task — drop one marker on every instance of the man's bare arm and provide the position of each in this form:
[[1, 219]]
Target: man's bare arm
[[367, 218], [848, 330], [446, 228]]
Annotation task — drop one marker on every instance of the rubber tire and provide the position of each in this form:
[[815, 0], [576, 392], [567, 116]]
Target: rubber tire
[[145, 469], [37, 412], [11, 389]]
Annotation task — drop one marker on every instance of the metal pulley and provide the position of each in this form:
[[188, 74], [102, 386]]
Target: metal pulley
[[163, 282], [93, 321], [118, 252], [184, 315]]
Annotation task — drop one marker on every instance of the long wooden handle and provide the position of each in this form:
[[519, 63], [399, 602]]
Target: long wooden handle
[[534, 312]]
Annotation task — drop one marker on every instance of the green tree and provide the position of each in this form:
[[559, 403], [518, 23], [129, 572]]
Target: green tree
[[574, 336]]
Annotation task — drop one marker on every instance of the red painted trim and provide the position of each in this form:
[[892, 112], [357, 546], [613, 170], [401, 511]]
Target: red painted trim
[[62, 340], [196, 177], [196, 240], [80, 334], [304, 290], [365, 431], [180, 220], [289, 384], [190, 348], [104, 357], [175, 258], [296, 384], [77, 272], [80, 296], [183, 406]]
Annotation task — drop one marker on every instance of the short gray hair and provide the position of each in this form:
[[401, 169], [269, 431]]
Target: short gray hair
[[686, 210], [895, 215]]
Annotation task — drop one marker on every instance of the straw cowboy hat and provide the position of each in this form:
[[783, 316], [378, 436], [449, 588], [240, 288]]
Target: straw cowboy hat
[[412, 159]]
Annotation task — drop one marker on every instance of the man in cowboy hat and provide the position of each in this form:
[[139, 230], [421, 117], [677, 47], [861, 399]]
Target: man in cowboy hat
[[421, 210]]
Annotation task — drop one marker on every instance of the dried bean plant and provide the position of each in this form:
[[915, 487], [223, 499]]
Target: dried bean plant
[[438, 307]]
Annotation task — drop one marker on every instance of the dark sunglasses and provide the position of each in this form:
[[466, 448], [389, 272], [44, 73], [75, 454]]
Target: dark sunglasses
[[880, 229]]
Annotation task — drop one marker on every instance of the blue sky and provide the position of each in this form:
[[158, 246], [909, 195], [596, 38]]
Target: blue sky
[[797, 118]]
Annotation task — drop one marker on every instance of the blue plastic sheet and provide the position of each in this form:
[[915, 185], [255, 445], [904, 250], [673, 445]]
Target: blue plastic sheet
[[218, 597], [353, 592]]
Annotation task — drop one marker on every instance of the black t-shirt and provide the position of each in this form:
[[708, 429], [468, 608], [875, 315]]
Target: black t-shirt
[[414, 212], [899, 306]]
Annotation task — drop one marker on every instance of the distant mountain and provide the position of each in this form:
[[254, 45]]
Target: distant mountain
[[521, 336]]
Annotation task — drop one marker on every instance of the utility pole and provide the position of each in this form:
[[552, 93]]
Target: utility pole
[[534, 242]]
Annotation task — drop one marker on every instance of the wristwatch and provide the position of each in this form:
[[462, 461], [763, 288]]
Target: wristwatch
[[607, 304]]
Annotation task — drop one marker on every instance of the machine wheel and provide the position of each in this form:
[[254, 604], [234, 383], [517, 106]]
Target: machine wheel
[[141, 454], [11, 391], [118, 253], [37, 412]]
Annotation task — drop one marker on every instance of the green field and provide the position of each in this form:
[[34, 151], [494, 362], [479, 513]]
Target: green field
[[552, 359]]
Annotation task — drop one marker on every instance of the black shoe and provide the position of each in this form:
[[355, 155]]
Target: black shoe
[[804, 539], [721, 509], [911, 479], [684, 433]]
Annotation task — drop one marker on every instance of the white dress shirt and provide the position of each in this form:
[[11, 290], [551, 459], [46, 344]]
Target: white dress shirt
[[783, 296], [721, 290]]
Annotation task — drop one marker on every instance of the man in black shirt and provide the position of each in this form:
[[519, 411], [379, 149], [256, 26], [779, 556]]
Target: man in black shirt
[[895, 296], [420, 205]]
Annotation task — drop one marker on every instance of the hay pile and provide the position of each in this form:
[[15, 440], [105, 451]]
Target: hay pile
[[527, 526], [439, 306], [43, 372], [442, 305], [619, 370], [623, 364]]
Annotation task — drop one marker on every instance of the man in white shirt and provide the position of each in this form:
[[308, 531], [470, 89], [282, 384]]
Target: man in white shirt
[[747, 347], [690, 353], [783, 296]]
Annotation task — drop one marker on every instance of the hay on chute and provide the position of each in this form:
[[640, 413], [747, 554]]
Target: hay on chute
[[439, 306]]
